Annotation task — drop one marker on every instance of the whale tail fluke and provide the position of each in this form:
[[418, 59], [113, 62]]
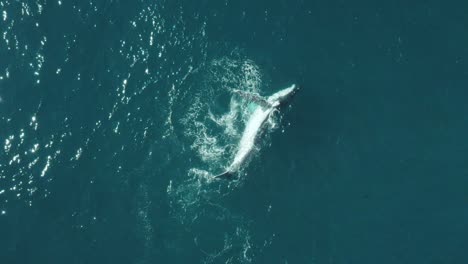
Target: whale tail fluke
[[227, 175]]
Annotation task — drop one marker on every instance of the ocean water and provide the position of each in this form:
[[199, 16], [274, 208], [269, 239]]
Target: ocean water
[[115, 114]]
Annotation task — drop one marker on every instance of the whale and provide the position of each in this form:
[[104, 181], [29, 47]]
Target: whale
[[264, 107]]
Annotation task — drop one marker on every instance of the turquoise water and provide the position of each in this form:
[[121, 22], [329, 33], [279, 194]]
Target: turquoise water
[[114, 115]]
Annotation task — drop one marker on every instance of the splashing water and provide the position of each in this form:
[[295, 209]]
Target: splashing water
[[212, 123], [213, 128]]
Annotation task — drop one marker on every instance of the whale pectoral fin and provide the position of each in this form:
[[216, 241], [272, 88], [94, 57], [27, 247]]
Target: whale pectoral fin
[[254, 98], [225, 175], [271, 123]]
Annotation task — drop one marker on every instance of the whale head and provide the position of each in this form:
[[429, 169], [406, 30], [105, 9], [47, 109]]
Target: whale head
[[283, 96]]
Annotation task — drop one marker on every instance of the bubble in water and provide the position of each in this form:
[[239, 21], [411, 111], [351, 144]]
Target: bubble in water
[[212, 122], [215, 124]]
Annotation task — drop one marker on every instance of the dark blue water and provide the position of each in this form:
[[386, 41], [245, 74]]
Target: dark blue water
[[114, 115]]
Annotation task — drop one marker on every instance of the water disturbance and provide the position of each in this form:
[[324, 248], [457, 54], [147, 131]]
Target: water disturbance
[[115, 116]]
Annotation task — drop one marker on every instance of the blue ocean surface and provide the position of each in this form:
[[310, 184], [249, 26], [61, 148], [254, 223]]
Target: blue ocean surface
[[115, 116]]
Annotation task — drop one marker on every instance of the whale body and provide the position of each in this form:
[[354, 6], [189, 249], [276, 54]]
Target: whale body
[[265, 107]]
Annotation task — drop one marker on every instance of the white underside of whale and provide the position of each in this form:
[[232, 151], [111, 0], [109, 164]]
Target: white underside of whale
[[254, 126]]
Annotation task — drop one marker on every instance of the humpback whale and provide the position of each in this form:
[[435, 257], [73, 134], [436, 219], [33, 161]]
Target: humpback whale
[[262, 112]]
